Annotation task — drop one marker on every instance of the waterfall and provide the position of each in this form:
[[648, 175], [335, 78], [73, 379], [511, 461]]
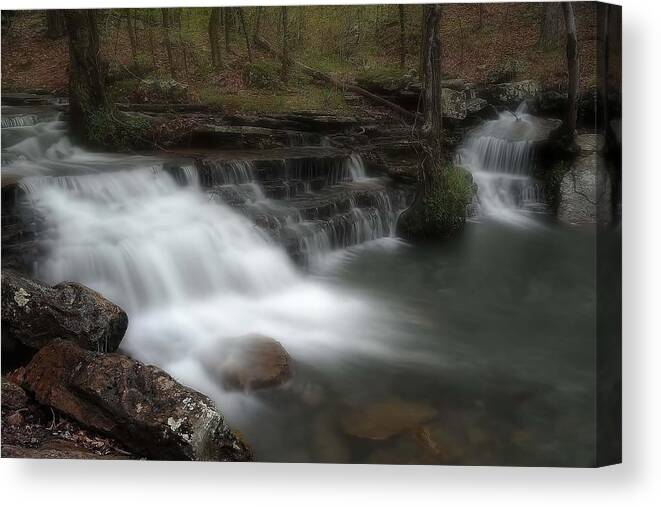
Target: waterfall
[[501, 155], [167, 244]]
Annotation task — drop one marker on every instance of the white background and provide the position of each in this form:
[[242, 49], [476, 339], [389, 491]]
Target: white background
[[636, 482]]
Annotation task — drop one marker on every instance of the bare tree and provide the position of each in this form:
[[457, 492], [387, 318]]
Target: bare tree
[[480, 17], [258, 19], [424, 218], [548, 25], [227, 25], [402, 36], [55, 24], [604, 19], [87, 93], [167, 42], [285, 43], [148, 24], [130, 28], [214, 37], [572, 66], [245, 33]]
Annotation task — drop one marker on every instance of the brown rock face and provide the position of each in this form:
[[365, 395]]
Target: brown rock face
[[139, 405], [249, 362], [34, 313]]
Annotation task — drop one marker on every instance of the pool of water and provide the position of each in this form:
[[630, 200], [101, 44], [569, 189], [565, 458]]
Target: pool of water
[[492, 331]]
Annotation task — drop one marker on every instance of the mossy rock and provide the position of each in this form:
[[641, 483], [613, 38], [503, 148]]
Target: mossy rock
[[442, 210]]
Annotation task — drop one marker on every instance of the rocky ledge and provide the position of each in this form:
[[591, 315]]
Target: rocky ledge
[[72, 398]]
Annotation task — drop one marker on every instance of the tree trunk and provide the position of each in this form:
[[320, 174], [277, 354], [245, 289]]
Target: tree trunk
[[480, 19], [439, 209], [131, 32], [55, 24], [431, 66], [258, 19], [245, 33], [402, 37], [227, 24], [182, 44], [167, 42], [285, 44], [572, 66], [150, 37], [214, 38], [604, 11], [87, 94], [548, 25]]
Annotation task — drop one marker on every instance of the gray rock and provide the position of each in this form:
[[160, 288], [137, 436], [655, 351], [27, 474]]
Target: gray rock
[[453, 104], [513, 93], [139, 405], [589, 143], [585, 190], [34, 313]]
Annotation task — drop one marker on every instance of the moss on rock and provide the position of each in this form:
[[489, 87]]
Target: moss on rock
[[442, 209]]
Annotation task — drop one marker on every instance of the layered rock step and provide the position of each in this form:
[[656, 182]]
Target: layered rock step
[[309, 204]]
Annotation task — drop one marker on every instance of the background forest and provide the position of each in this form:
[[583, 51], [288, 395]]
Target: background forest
[[213, 55]]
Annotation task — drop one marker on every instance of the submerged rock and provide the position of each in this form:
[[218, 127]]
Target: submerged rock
[[34, 313], [249, 362], [139, 405], [383, 420]]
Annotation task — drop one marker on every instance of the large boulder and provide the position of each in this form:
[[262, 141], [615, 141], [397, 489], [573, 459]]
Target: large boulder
[[585, 191], [248, 363], [34, 313], [139, 405]]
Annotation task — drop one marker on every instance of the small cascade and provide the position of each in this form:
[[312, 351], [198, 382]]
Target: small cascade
[[501, 156], [23, 120]]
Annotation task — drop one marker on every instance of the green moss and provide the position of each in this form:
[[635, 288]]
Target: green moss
[[117, 131], [384, 78], [442, 210], [301, 98]]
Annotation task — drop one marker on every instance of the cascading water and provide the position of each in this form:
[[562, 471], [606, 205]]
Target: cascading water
[[501, 156], [190, 270]]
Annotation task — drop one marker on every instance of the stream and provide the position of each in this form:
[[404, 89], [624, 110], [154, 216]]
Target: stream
[[491, 333]]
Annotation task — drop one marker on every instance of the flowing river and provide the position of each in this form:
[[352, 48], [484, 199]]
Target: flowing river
[[489, 335]]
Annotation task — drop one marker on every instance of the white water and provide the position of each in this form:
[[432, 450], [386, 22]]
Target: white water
[[189, 272], [500, 155]]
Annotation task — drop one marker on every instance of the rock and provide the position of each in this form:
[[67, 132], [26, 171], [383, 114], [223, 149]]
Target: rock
[[15, 419], [511, 94], [383, 420], [453, 104], [34, 313], [56, 449], [248, 363], [139, 405], [550, 102], [13, 396], [585, 190], [589, 143]]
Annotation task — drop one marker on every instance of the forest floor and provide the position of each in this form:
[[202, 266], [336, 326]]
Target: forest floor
[[508, 36]]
